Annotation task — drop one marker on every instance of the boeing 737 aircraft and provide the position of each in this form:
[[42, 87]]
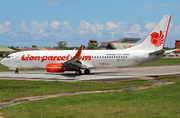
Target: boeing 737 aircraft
[[64, 60]]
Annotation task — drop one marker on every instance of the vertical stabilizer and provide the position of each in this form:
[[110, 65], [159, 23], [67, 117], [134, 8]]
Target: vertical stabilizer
[[157, 37]]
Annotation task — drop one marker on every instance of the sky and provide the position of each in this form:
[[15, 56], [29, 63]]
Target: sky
[[46, 22]]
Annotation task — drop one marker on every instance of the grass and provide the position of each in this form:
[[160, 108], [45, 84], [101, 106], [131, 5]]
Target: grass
[[12, 89], [161, 101], [4, 68], [163, 61]]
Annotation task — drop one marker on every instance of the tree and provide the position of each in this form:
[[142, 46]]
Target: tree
[[62, 44], [167, 48], [13, 47], [93, 47], [34, 46]]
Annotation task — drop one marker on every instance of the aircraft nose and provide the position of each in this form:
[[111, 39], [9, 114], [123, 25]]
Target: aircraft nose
[[4, 62]]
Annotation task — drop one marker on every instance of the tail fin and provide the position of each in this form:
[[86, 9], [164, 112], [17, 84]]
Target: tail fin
[[156, 39]]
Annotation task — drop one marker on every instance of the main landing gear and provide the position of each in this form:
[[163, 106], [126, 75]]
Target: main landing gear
[[79, 72], [16, 71], [86, 71]]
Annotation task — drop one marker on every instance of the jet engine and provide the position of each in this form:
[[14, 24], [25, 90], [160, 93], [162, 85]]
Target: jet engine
[[55, 67]]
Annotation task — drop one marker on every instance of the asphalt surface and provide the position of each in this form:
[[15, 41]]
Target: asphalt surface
[[124, 74]]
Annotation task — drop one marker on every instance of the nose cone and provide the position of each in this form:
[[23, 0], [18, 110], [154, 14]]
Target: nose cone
[[4, 62]]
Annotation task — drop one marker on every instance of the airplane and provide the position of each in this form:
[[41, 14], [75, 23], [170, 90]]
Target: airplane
[[71, 60]]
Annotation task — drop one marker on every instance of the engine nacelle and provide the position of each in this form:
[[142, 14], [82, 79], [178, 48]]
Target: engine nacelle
[[55, 67]]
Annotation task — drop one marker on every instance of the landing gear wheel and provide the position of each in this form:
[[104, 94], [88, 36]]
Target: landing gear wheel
[[86, 71], [78, 72], [16, 71]]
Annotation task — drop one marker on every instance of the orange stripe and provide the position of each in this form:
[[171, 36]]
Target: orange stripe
[[166, 32]]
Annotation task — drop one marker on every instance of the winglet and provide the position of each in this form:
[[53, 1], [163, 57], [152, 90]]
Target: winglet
[[78, 54]]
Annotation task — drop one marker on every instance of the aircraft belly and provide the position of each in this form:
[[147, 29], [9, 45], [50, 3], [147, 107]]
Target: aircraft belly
[[29, 64]]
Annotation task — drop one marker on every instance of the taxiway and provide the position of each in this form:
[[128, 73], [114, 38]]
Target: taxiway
[[124, 74]]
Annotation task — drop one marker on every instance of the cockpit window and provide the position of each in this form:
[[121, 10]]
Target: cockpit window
[[8, 57]]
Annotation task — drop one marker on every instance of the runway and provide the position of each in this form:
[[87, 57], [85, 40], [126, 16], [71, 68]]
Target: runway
[[124, 74]]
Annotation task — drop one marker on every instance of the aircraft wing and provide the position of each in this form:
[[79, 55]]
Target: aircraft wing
[[75, 61]]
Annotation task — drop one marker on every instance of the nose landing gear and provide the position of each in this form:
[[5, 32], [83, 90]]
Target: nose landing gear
[[16, 71]]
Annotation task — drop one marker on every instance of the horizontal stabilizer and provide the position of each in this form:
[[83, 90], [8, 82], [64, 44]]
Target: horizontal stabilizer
[[159, 52]]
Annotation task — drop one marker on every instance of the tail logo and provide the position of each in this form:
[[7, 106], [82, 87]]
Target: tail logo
[[157, 38]]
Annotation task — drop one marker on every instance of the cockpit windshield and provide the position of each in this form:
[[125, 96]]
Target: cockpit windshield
[[8, 57]]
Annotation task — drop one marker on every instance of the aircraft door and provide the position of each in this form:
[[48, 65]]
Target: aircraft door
[[17, 58]]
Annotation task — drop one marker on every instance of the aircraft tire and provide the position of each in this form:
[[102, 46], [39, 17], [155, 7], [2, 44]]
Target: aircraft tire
[[16, 71], [86, 71], [78, 72]]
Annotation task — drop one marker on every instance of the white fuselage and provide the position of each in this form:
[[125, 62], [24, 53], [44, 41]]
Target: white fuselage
[[90, 58]]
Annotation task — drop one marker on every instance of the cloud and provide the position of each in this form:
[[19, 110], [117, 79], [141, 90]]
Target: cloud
[[110, 26], [87, 28], [97, 29], [54, 24], [35, 27], [66, 25], [53, 2], [23, 27], [84, 27], [176, 31], [5, 28], [56, 30], [150, 25], [7, 23], [60, 2]]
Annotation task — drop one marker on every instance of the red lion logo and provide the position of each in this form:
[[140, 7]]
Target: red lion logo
[[156, 38]]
